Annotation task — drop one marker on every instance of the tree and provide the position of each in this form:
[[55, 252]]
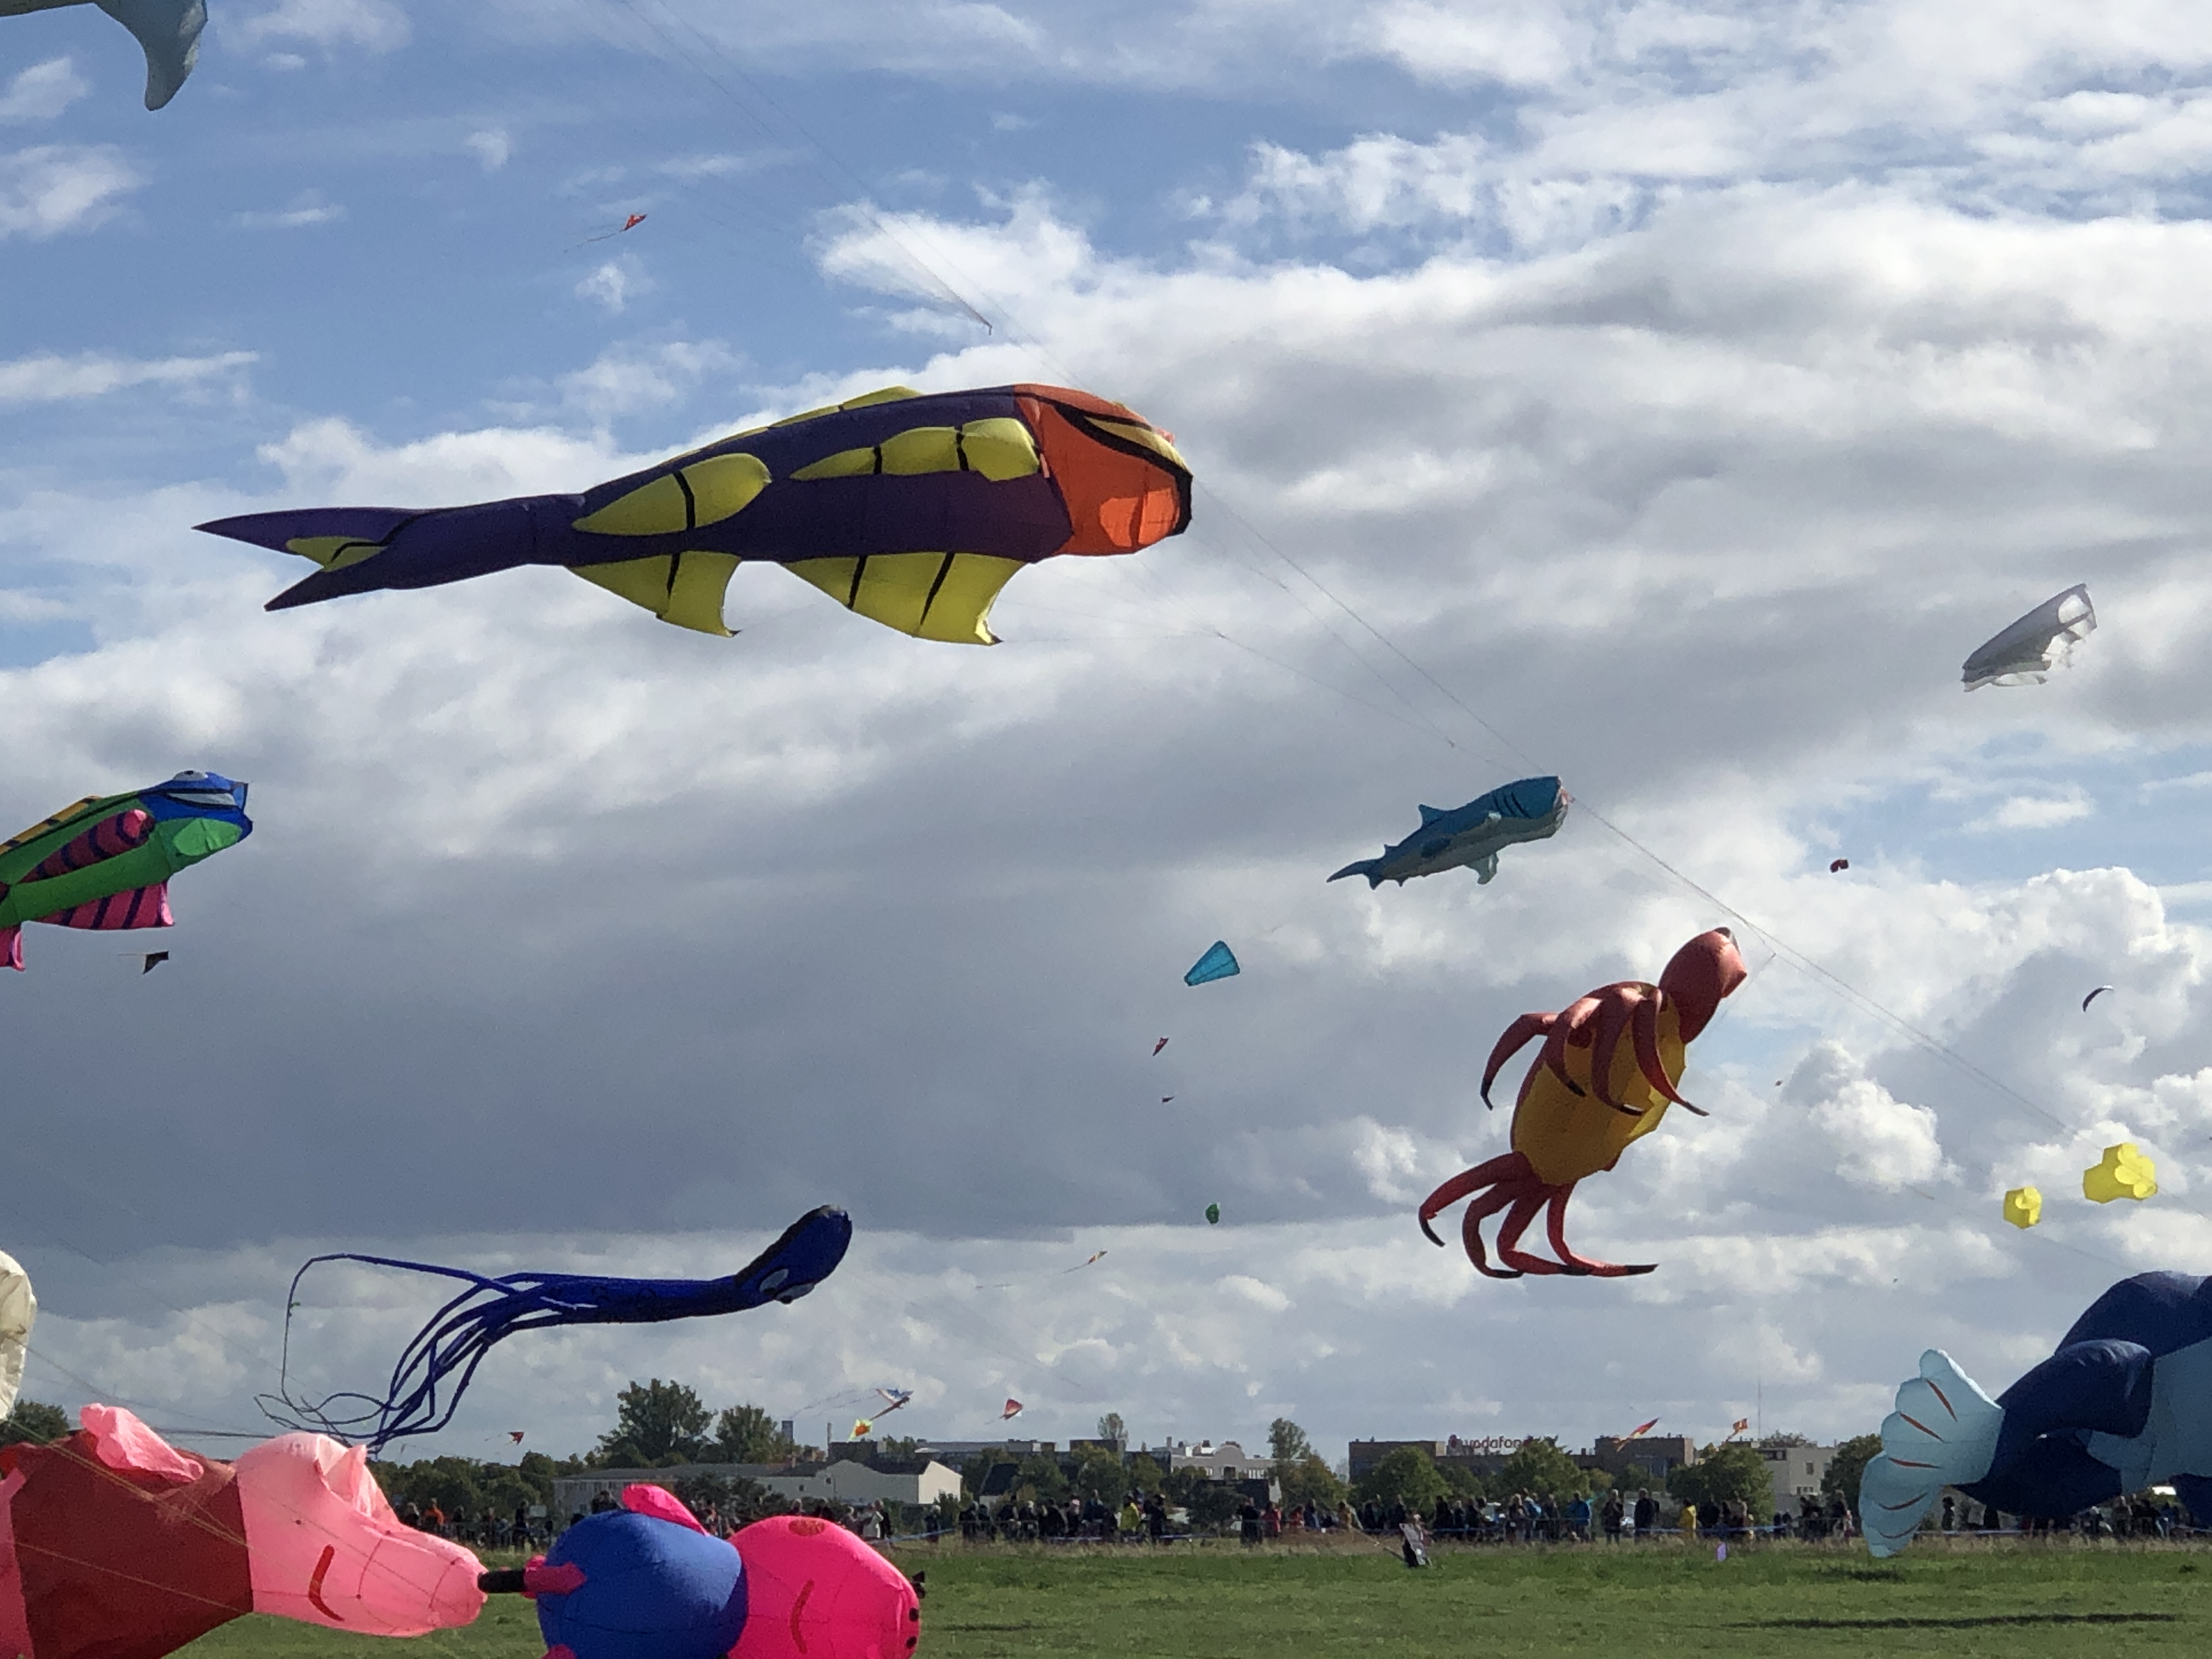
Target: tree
[[1145, 1474], [657, 1423], [1733, 1473], [1114, 1432], [746, 1434], [1309, 1480], [1540, 1467], [1848, 1463], [737, 1500], [1287, 1441], [977, 1469], [1098, 1474], [33, 1422], [1407, 1475], [1040, 1479], [1464, 1481], [1784, 1438]]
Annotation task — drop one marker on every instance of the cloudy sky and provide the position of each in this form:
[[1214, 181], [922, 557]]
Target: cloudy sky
[[1667, 395]]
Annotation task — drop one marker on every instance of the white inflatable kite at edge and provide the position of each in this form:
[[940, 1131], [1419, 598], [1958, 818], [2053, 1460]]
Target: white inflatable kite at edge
[[18, 1308]]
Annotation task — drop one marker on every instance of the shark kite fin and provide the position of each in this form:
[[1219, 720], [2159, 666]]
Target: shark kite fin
[[931, 596], [1369, 868], [1429, 816], [1485, 868], [168, 31], [683, 588]]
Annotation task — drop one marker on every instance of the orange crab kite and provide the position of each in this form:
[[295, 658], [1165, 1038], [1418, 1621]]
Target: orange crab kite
[[1586, 1098]]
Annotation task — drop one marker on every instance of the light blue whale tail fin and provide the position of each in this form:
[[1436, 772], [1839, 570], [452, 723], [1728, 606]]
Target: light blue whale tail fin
[[1371, 868], [169, 33], [1943, 1433]]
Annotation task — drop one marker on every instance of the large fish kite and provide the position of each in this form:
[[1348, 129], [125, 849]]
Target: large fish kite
[[2026, 653], [167, 31], [1531, 809], [104, 863], [911, 509]]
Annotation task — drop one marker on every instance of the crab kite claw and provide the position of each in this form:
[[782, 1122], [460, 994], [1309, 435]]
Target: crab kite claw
[[1517, 1036]]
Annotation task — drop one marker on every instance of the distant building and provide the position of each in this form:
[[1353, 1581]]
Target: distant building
[[1647, 1460], [1227, 1462], [959, 1451], [1795, 1472], [849, 1482]]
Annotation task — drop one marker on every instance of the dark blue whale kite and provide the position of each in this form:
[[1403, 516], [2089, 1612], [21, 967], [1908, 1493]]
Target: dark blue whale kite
[[454, 1342], [2124, 1403], [912, 510], [1531, 809]]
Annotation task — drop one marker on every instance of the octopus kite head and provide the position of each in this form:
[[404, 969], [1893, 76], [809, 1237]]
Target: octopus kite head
[[1701, 975]]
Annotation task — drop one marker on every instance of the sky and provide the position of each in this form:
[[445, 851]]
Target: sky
[[1664, 396]]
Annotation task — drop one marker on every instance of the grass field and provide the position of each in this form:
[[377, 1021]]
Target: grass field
[[2013, 1601]]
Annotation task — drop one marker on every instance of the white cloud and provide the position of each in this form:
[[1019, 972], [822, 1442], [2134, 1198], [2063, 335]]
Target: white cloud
[[1877, 1140], [42, 92], [2038, 811], [612, 284], [329, 26], [307, 209], [631, 380], [49, 378], [493, 147], [52, 189]]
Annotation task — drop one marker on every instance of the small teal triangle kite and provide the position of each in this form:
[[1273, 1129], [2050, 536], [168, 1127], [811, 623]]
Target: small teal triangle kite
[[1218, 963]]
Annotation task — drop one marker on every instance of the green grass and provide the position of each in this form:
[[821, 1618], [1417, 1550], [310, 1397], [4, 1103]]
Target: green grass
[[2008, 1602]]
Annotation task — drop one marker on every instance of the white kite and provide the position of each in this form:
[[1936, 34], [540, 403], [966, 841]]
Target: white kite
[[2022, 653], [18, 1309]]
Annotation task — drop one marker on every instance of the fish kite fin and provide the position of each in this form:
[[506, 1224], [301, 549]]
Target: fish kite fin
[[1430, 815], [46, 825], [142, 907], [168, 31], [1943, 1433], [1371, 868], [686, 589], [1485, 868], [333, 536], [931, 596]]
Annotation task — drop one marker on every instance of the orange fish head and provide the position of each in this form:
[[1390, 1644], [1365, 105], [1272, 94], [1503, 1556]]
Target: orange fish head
[[1702, 973], [1120, 477]]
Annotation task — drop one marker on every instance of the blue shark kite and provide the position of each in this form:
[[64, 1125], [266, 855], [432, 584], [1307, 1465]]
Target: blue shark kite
[[435, 1367], [912, 510], [168, 31], [2124, 1403], [104, 863], [1532, 809]]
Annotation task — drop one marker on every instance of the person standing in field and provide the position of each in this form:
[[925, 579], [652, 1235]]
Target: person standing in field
[[1647, 1513], [1611, 1515]]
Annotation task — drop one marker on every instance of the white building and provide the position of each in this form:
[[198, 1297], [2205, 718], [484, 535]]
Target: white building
[[1226, 1462], [848, 1482], [1795, 1472]]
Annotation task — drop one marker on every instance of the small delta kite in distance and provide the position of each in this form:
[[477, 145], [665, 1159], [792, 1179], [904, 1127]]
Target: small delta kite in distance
[[516, 1435], [1011, 1410], [2022, 654], [1588, 1095], [912, 510], [2093, 996], [1219, 961], [435, 1367], [104, 863], [1156, 1047], [1531, 809], [167, 31], [631, 223], [897, 1397], [150, 961]]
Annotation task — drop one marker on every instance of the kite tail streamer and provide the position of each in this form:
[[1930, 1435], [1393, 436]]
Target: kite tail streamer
[[437, 1367]]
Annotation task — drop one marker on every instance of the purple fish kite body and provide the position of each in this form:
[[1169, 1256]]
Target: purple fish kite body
[[912, 510]]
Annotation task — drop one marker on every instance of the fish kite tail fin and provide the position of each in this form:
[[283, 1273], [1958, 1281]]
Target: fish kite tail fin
[[168, 32], [1943, 1433], [1371, 868], [336, 539]]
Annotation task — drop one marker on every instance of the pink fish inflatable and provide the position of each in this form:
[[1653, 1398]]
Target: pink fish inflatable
[[116, 1545]]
